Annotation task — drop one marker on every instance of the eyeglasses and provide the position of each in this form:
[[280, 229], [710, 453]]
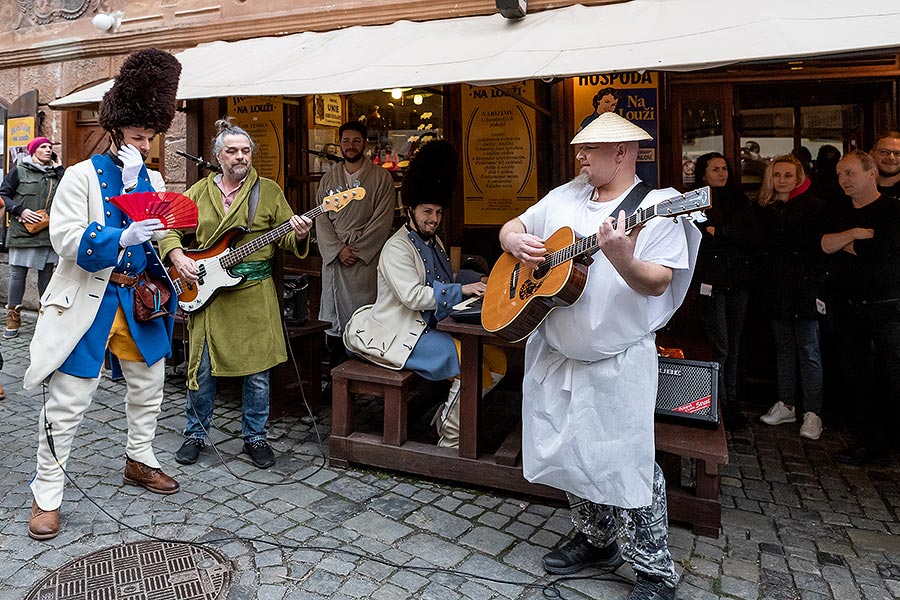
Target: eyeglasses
[[886, 153]]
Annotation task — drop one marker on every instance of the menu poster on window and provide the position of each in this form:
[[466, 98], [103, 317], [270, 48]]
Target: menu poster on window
[[19, 131], [498, 153], [637, 94], [263, 118]]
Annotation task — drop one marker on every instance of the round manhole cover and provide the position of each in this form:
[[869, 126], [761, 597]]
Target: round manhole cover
[[139, 571]]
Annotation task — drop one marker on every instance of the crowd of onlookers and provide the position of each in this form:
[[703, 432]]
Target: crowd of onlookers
[[817, 250]]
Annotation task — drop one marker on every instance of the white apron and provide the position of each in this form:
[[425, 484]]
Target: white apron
[[590, 424]]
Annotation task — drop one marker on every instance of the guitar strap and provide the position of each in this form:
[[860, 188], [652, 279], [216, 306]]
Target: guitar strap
[[253, 204], [634, 198]]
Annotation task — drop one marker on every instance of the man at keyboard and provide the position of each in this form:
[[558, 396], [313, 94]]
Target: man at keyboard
[[416, 289]]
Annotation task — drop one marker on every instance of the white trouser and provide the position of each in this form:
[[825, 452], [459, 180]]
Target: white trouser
[[68, 399], [449, 416]]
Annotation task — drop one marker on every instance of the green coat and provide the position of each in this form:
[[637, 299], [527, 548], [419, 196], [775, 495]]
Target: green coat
[[242, 325]]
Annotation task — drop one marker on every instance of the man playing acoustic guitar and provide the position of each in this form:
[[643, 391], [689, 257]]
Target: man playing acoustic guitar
[[589, 388], [239, 333]]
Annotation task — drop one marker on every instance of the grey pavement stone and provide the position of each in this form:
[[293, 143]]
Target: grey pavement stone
[[389, 592], [746, 590], [438, 521], [358, 588], [493, 519], [393, 505], [486, 539], [374, 525], [434, 550]]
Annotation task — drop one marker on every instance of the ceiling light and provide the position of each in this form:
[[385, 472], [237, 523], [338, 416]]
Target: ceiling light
[[418, 99]]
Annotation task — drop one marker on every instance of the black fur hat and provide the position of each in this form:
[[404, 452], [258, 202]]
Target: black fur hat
[[143, 94], [431, 177]]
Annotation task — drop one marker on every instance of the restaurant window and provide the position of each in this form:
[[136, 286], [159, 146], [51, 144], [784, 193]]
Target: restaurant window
[[398, 121]]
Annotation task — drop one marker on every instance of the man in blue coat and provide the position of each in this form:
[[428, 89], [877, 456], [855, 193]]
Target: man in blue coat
[[88, 307]]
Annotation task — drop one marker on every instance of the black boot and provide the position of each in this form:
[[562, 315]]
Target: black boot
[[578, 553]]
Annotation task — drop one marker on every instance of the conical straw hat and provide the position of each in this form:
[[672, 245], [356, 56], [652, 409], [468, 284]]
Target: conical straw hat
[[610, 127]]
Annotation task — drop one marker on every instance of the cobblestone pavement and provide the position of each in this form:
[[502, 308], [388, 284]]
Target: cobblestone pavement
[[795, 524]]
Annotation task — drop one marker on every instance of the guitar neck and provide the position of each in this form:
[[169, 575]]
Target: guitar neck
[[587, 246], [245, 250]]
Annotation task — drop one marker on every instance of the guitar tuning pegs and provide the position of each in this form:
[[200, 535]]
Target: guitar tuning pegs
[[356, 183]]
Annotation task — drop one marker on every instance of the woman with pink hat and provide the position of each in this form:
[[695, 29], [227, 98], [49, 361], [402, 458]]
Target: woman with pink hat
[[28, 193]]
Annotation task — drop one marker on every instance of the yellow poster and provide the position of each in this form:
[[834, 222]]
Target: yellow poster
[[19, 131], [263, 118], [498, 153]]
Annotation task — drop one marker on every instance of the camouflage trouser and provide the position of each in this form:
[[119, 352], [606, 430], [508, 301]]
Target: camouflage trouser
[[645, 530]]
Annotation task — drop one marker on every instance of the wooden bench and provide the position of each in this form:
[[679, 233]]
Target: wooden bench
[[695, 503], [359, 377]]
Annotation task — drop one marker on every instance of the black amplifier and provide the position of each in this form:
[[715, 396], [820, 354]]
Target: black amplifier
[[688, 391], [296, 300]]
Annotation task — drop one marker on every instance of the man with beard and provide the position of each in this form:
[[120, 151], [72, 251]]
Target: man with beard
[[88, 306], [350, 240], [589, 390], [416, 289], [239, 334], [887, 157]]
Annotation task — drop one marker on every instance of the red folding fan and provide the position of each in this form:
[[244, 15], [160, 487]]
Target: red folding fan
[[176, 211]]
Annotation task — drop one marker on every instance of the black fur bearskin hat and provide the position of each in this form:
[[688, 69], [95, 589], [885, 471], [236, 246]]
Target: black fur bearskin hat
[[431, 177], [143, 94]]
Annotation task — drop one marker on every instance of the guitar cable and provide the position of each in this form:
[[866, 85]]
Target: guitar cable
[[548, 589]]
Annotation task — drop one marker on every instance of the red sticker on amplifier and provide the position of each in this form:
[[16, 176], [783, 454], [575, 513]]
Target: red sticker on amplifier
[[695, 406]]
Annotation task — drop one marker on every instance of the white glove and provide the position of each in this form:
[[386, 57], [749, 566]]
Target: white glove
[[132, 161], [139, 232]]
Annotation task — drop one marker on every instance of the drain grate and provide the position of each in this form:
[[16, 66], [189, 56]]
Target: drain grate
[[139, 571]]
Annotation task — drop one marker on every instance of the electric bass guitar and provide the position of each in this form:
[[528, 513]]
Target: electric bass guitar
[[214, 264], [518, 297]]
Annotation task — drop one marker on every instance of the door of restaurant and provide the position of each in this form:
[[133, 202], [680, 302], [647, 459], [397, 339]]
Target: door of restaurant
[[751, 123]]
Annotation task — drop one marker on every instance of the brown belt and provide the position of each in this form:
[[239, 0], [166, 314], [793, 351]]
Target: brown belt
[[123, 279]]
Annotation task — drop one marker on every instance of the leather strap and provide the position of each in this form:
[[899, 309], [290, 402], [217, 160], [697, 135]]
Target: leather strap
[[123, 279]]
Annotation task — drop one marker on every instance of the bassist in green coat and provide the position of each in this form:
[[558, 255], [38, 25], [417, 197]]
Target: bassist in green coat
[[238, 333]]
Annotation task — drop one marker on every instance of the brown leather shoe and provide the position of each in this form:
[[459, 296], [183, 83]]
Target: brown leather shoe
[[153, 479], [43, 524]]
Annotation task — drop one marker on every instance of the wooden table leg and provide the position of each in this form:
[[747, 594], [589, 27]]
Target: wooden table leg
[[469, 393]]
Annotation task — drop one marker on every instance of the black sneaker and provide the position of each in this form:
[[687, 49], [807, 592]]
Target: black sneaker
[[578, 553], [647, 587], [190, 451], [260, 453]]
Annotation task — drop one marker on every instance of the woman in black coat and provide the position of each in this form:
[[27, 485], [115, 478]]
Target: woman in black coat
[[792, 277], [724, 274]]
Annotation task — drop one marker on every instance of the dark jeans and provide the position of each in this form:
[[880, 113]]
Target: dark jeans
[[722, 316], [797, 351], [869, 344]]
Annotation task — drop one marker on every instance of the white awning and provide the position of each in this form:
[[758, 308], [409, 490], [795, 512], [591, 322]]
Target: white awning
[[666, 35]]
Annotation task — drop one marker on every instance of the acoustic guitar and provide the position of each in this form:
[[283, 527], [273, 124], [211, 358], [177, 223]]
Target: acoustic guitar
[[215, 263], [519, 297]]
